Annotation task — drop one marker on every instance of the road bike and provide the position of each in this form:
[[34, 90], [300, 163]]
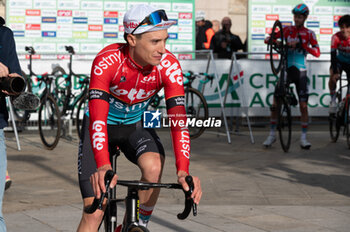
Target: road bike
[[63, 91], [341, 116], [130, 223], [195, 104], [49, 118], [283, 92]]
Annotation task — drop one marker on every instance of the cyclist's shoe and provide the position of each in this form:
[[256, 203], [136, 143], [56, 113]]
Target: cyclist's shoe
[[304, 144], [269, 141], [332, 107], [8, 182]]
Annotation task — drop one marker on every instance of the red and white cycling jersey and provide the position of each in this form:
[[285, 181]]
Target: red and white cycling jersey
[[341, 46], [307, 44], [120, 91]]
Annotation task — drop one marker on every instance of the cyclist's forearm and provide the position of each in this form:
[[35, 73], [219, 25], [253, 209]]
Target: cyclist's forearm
[[180, 138], [98, 110], [314, 50]]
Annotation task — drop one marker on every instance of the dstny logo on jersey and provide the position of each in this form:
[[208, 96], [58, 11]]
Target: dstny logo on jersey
[[151, 119]]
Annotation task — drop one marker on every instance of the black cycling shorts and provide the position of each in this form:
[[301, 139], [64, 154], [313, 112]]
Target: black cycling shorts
[[343, 67], [299, 78], [133, 140]]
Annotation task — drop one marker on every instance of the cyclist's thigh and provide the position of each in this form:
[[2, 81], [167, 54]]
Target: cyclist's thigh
[[299, 78], [346, 68], [141, 141]]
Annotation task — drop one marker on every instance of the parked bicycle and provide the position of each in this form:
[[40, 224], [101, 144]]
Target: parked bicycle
[[130, 223], [341, 117], [67, 100], [49, 120], [283, 92], [71, 103]]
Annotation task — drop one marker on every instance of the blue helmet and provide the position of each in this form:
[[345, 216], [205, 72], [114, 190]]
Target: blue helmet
[[301, 9]]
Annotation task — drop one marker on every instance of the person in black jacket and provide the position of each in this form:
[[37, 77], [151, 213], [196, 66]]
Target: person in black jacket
[[224, 43], [9, 66], [204, 33]]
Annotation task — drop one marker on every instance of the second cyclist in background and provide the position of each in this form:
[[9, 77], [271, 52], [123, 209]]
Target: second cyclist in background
[[300, 41], [340, 58]]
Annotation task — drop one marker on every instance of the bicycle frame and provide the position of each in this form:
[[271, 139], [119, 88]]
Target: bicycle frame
[[131, 200]]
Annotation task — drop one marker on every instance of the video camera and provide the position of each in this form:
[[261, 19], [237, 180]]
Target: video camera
[[13, 85]]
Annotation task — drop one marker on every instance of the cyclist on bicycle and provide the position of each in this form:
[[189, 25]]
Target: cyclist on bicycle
[[124, 77], [340, 58], [300, 41]]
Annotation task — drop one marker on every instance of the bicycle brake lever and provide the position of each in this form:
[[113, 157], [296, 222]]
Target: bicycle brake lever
[[189, 203], [97, 203]]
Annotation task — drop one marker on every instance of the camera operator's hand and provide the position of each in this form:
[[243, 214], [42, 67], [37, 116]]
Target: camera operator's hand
[[4, 71]]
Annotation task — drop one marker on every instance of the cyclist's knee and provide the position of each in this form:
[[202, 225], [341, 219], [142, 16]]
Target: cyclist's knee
[[90, 222], [151, 165]]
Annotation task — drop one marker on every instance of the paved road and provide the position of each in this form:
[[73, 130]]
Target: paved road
[[247, 188]]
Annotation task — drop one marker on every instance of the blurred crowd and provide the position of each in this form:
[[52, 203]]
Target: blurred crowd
[[218, 37]]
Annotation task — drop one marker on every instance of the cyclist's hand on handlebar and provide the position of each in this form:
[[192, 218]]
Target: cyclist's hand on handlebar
[[197, 192], [98, 182]]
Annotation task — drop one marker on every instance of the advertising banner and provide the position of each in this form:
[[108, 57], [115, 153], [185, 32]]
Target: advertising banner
[[89, 25], [254, 84], [323, 20]]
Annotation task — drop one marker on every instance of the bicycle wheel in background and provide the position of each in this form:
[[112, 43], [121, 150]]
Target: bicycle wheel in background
[[80, 113], [61, 90], [347, 121], [49, 122], [276, 44], [196, 108], [334, 123], [284, 123], [23, 115]]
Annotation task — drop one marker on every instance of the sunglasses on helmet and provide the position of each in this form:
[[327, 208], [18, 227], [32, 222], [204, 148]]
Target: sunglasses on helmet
[[153, 19]]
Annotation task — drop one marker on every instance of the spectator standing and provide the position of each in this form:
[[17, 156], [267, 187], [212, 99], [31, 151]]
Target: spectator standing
[[224, 42], [204, 33], [9, 66]]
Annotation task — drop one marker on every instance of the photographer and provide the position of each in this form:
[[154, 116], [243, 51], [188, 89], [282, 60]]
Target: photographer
[[9, 67], [224, 43]]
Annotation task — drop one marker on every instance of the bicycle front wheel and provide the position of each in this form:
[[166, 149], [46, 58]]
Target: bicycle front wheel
[[284, 123], [334, 124], [276, 43], [334, 127], [49, 122], [196, 109]]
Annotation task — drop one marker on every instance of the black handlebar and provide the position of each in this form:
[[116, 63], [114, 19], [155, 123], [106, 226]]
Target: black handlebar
[[189, 203]]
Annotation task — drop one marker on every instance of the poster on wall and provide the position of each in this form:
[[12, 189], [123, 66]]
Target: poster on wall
[[323, 20], [90, 25]]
